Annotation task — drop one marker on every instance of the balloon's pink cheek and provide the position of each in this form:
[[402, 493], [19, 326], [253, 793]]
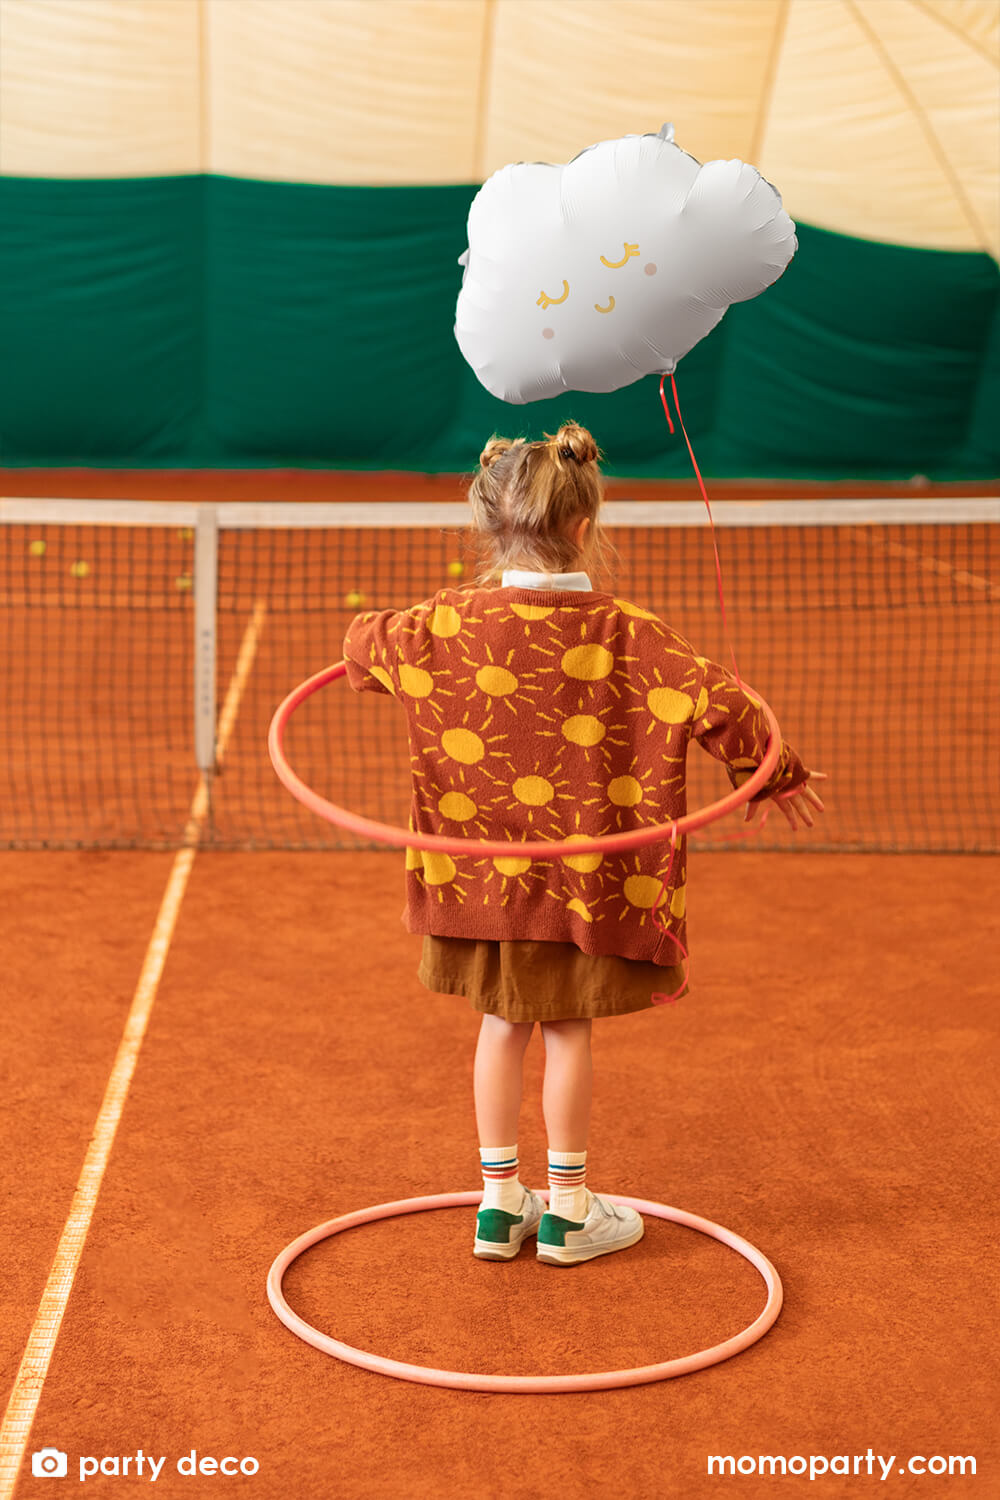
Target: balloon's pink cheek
[[650, 270], [548, 333]]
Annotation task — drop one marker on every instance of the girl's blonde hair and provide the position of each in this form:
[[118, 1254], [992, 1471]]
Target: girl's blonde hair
[[528, 496]]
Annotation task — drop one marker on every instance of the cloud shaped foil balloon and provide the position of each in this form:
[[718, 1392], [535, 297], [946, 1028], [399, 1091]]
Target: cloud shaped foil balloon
[[590, 275]]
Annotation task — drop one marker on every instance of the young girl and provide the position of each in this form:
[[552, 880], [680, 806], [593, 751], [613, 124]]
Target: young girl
[[545, 709]]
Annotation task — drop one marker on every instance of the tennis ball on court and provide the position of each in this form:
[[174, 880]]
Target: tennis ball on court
[[183, 582], [354, 599], [456, 567], [186, 533], [80, 569], [37, 548]]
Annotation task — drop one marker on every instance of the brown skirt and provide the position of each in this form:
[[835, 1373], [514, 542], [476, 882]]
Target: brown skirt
[[528, 981]]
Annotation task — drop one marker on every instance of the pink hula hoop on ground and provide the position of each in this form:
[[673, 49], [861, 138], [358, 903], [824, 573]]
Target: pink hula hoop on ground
[[538, 1384], [385, 833]]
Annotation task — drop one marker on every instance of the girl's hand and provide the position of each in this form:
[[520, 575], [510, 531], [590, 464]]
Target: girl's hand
[[795, 804]]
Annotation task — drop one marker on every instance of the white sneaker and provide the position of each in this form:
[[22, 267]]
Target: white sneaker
[[607, 1227]]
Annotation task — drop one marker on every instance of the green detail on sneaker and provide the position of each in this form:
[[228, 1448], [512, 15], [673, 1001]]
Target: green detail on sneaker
[[494, 1224], [552, 1230]]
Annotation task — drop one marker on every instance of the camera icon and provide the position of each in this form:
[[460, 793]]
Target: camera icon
[[48, 1463]]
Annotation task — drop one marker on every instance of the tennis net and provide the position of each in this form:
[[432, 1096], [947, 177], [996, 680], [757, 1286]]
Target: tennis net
[[147, 645]]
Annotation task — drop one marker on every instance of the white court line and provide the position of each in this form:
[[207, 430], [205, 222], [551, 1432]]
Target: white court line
[[928, 561], [19, 1417]]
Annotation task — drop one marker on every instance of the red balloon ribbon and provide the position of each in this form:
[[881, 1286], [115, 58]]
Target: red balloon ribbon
[[711, 520], [658, 998]]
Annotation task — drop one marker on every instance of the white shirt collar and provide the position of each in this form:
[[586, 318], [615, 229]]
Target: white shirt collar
[[516, 578]]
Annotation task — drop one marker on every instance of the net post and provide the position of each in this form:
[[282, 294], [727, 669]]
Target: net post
[[206, 588]]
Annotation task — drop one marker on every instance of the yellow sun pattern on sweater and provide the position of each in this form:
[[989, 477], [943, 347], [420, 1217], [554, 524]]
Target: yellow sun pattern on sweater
[[552, 715]]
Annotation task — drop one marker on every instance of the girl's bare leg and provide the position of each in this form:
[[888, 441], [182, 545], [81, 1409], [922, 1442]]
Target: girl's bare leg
[[498, 1076], [568, 1087]]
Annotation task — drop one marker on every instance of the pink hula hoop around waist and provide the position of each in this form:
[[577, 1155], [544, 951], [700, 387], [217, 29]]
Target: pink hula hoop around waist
[[385, 833]]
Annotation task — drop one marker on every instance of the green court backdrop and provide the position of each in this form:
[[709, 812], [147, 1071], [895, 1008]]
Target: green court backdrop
[[211, 321]]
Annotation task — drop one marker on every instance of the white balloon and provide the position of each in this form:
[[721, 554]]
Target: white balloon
[[589, 275]]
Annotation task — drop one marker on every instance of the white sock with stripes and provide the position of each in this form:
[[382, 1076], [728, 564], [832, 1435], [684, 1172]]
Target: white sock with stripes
[[568, 1196], [501, 1178]]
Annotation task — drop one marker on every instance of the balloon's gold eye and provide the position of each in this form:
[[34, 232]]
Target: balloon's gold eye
[[616, 265], [546, 301]]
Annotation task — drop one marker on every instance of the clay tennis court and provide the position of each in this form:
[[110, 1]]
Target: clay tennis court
[[283, 1067]]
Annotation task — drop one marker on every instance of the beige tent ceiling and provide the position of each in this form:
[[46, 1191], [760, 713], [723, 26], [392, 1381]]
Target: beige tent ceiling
[[876, 118]]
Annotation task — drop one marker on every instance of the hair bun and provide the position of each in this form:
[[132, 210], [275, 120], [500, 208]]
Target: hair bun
[[495, 448], [574, 442]]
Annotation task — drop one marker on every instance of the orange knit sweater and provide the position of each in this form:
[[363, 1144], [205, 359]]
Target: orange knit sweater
[[547, 714]]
